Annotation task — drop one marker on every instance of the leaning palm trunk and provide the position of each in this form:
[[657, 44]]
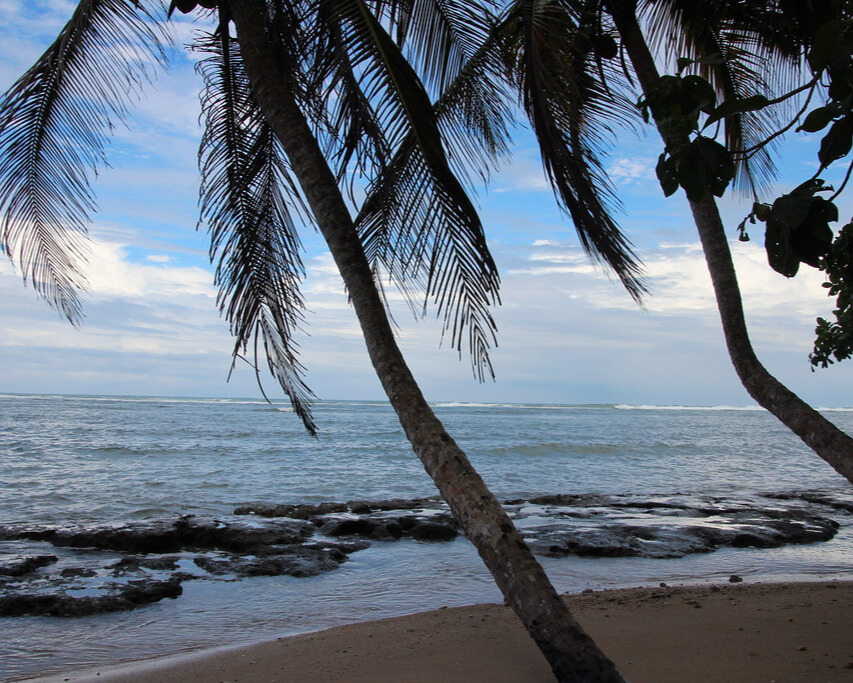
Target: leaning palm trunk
[[829, 442], [570, 651]]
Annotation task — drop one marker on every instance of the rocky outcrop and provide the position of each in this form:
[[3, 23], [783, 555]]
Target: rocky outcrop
[[358, 507], [161, 536], [26, 565], [119, 567], [116, 599], [591, 526]]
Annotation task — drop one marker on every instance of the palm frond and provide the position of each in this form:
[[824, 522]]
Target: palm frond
[[422, 200], [410, 235], [245, 193], [762, 55], [441, 36], [571, 110], [410, 228], [54, 123], [344, 117]]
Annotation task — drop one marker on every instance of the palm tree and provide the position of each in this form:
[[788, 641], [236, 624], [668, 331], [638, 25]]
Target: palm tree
[[573, 63], [306, 94]]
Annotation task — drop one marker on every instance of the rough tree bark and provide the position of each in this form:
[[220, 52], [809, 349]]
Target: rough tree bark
[[571, 652], [829, 442]]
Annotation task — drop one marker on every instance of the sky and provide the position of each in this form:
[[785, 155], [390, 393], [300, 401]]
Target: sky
[[568, 333]]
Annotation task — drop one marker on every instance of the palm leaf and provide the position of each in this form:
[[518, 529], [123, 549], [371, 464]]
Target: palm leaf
[[435, 222], [54, 122], [245, 194], [441, 36], [411, 235], [571, 110]]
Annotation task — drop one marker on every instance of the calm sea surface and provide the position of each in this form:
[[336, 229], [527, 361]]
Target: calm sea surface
[[83, 460]]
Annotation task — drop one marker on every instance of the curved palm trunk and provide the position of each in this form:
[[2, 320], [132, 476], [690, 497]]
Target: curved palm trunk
[[829, 442], [570, 651]]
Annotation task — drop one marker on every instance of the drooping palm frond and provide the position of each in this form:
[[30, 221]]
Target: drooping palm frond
[[441, 36], [410, 228], [54, 122], [571, 110], [245, 194], [343, 116], [410, 235], [438, 230]]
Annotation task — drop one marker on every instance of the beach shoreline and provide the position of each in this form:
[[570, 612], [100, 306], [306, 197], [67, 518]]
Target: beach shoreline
[[701, 633]]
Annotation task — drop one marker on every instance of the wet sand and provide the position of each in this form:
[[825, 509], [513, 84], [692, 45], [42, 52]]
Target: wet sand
[[732, 633]]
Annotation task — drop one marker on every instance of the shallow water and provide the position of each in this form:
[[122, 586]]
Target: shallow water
[[83, 460]]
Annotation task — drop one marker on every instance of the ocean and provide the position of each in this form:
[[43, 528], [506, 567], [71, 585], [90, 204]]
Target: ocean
[[657, 494]]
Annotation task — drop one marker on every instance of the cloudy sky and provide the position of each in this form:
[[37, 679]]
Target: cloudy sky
[[568, 333]]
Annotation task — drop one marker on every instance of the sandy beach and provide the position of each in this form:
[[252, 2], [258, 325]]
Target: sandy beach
[[796, 632]]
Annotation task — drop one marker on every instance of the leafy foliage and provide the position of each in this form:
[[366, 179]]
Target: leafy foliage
[[561, 62], [798, 223], [54, 123], [346, 66], [834, 340], [245, 194]]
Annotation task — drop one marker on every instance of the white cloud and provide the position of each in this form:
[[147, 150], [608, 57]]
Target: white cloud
[[625, 171], [523, 173]]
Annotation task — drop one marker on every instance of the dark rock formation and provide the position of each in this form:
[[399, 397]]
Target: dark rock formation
[[120, 567], [298, 561], [358, 507], [122, 598], [159, 537], [26, 565], [433, 531]]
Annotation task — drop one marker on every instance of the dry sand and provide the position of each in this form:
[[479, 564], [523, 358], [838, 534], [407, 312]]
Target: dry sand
[[799, 632]]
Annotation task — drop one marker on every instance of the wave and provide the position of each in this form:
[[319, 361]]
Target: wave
[[283, 406], [626, 406], [135, 399]]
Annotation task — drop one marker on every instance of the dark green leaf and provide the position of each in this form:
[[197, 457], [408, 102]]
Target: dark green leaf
[[811, 241], [818, 119], [697, 94], [780, 256], [791, 209], [704, 166], [732, 107], [827, 41], [761, 211], [836, 143], [667, 173]]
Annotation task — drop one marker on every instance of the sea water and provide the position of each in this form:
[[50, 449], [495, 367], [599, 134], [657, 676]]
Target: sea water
[[97, 459]]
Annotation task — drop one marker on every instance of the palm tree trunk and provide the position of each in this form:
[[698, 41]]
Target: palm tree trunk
[[829, 442], [571, 652]]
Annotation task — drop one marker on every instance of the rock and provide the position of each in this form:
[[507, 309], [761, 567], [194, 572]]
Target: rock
[[133, 564], [292, 511], [123, 598], [78, 572], [359, 507], [433, 531], [26, 565], [302, 561], [348, 527], [186, 533]]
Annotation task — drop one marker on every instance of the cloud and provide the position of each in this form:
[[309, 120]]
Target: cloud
[[626, 171]]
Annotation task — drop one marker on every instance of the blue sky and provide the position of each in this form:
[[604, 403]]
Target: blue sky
[[568, 333]]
